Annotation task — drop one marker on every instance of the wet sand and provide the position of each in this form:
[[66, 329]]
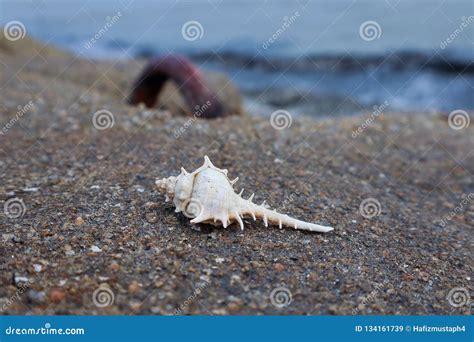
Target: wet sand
[[93, 218]]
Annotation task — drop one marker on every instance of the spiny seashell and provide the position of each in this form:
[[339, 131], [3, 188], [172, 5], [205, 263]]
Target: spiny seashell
[[207, 196]]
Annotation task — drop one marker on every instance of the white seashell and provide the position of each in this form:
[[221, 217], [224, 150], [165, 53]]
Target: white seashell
[[207, 196]]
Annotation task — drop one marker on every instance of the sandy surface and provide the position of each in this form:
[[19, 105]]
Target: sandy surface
[[93, 219]]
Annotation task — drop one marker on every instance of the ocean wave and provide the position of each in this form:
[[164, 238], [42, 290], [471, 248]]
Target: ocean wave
[[445, 63]]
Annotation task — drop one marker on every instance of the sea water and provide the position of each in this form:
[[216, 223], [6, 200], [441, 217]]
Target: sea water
[[320, 58]]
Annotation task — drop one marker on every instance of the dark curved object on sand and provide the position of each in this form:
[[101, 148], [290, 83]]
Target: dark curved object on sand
[[187, 77]]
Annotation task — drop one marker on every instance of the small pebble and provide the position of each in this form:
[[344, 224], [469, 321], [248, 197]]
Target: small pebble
[[21, 280], [279, 267], [151, 217], [95, 249], [151, 205], [36, 296], [30, 189], [134, 287], [135, 305], [7, 237], [56, 295], [234, 307]]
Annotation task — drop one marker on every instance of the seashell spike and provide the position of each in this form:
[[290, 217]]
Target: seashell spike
[[207, 196]]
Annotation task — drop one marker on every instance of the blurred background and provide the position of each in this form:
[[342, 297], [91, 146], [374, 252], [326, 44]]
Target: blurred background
[[319, 58]]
